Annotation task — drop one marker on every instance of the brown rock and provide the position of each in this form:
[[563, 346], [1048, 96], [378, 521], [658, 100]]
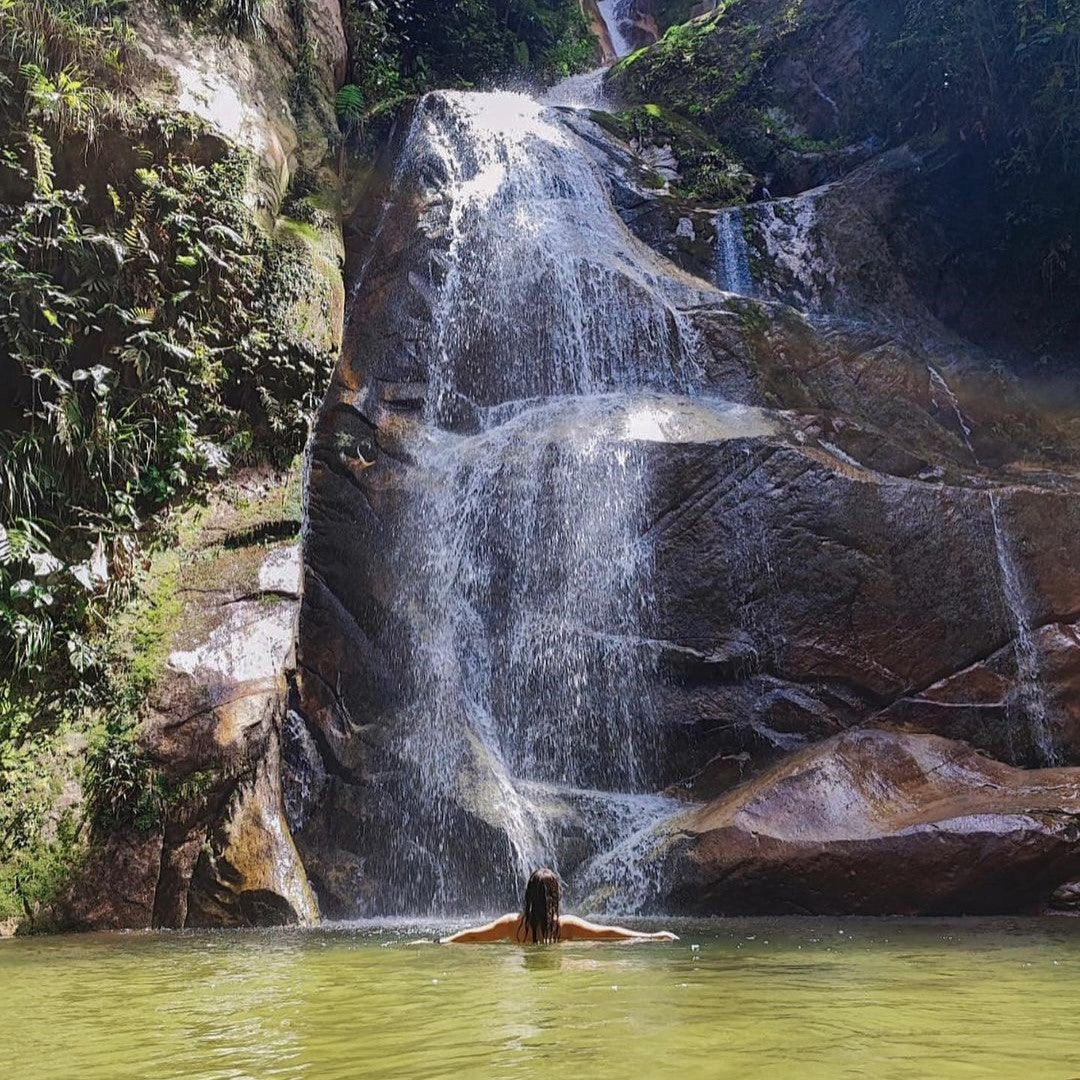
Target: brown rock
[[114, 889], [877, 823]]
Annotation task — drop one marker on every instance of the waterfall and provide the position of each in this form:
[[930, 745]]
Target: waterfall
[[558, 352], [1032, 699], [586, 91], [613, 12], [732, 255]]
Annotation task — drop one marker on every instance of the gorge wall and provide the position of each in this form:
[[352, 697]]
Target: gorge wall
[[143, 788], [694, 506], [839, 538]]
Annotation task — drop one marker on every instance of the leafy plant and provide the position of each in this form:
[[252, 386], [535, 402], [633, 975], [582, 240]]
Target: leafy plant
[[121, 786], [349, 105], [144, 342]]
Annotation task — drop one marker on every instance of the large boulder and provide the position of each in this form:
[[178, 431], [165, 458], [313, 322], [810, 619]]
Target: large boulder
[[876, 823]]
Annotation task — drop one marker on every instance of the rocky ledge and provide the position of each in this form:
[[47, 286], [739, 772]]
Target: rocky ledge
[[875, 823], [218, 852]]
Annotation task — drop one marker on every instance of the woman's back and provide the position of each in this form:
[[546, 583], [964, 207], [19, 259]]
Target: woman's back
[[541, 923]]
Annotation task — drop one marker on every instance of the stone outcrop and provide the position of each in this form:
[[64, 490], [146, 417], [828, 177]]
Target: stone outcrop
[[242, 88], [877, 190], [221, 853], [876, 823]]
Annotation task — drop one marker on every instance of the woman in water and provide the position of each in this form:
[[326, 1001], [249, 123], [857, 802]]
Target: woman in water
[[541, 923]]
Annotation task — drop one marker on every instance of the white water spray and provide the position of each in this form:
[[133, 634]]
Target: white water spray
[[558, 351]]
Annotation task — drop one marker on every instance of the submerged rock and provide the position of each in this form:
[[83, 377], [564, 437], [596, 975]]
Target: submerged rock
[[876, 823]]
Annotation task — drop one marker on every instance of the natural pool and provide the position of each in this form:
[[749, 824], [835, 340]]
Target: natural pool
[[811, 999]]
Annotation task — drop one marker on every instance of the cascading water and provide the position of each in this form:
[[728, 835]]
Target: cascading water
[[732, 256], [586, 91], [559, 351], [613, 12], [1031, 698], [1031, 707]]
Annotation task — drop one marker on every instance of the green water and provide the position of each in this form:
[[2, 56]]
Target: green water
[[809, 999]]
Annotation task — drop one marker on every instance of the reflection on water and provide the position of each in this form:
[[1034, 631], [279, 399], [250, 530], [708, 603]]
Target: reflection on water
[[752, 999]]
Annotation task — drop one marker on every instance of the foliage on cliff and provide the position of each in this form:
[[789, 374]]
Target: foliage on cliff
[[151, 334], [1004, 74], [403, 47], [985, 93], [707, 172], [141, 328]]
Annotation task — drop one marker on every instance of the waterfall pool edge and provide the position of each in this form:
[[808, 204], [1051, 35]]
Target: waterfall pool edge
[[896, 999]]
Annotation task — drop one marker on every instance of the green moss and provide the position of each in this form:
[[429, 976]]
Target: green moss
[[670, 13], [754, 320], [40, 838], [707, 71], [709, 173], [37, 874]]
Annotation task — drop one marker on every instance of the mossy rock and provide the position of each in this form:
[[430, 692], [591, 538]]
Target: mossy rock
[[708, 172]]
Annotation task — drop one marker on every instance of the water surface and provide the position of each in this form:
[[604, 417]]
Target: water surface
[[811, 999]]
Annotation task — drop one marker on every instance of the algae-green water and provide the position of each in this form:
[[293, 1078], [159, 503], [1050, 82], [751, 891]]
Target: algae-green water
[[812, 999]]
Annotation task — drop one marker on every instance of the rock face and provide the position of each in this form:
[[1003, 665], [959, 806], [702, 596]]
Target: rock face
[[242, 87], [222, 853], [878, 184], [886, 556], [876, 823], [228, 857]]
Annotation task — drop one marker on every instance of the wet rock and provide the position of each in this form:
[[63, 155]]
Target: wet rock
[[880, 823], [980, 703], [115, 888], [819, 571], [1067, 897], [221, 853]]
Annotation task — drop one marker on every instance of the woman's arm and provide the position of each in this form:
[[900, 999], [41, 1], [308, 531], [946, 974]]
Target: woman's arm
[[502, 929], [575, 929]]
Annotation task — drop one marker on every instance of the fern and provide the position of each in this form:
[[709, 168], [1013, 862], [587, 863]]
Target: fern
[[349, 104]]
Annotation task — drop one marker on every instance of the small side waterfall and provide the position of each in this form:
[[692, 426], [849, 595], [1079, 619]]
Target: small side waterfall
[[613, 13], [1032, 711], [586, 91], [732, 255], [1031, 696]]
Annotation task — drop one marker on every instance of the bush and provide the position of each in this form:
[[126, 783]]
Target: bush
[[145, 333], [402, 47], [120, 785]]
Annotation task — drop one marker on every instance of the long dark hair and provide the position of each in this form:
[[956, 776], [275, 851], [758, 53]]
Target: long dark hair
[[539, 921]]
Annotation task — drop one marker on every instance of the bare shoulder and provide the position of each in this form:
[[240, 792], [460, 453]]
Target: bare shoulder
[[508, 924], [570, 926]]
